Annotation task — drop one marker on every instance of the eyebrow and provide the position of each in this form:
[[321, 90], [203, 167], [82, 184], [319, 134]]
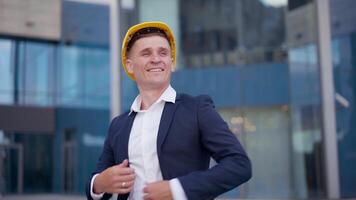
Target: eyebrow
[[144, 50], [149, 48]]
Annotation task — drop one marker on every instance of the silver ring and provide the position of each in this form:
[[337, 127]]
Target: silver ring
[[123, 184]]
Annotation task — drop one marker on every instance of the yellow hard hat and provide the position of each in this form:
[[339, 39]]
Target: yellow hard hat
[[146, 25]]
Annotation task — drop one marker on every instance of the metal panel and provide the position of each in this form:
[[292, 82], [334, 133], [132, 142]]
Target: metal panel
[[27, 119], [301, 25], [31, 18], [85, 23], [343, 16]]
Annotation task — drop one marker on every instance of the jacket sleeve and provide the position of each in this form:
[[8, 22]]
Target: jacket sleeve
[[233, 166], [106, 160]]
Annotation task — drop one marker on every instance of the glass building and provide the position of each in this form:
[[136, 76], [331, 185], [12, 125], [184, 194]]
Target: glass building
[[54, 94], [262, 61]]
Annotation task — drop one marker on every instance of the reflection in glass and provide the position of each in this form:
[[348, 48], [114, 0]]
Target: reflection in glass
[[83, 79], [69, 80], [6, 72], [36, 73], [38, 162], [264, 134], [74, 76], [32, 153], [306, 125], [343, 29], [345, 88], [55, 74], [225, 33]]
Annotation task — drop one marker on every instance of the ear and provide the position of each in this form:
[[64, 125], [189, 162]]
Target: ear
[[173, 68], [129, 66]]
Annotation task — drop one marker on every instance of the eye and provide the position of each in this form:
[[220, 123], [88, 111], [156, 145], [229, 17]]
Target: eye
[[164, 53], [145, 53]]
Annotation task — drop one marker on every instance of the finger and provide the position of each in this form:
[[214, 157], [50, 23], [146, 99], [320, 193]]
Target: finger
[[130, 184], [147, 197], [117, 170], [125, 178], [124, 190], [145, 189], [120, 185], [124, 163], [125, 171]]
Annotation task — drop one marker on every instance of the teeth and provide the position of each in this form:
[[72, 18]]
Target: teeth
[[155, 70]]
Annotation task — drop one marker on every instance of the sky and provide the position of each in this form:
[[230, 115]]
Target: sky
[[275, 3]]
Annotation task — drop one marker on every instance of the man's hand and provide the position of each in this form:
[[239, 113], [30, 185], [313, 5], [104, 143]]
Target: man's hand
[[116, 179], [160, 190]]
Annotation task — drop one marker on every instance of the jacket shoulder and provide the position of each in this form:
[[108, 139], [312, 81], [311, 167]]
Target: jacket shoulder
[[117, 121], [189, 98], [196, 101]]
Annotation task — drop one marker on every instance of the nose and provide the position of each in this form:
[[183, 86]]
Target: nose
[[155, 58]]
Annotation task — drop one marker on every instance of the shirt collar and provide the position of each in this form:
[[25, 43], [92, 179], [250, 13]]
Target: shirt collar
[[169, 95]]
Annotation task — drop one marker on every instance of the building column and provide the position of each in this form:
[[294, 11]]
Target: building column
[[331, 161], [115, 101]]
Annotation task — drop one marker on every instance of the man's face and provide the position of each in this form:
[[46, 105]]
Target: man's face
[[150, 61]]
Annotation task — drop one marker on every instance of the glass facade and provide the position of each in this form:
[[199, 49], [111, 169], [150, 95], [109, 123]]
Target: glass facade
[[36, 65], [343, 29], [37, 162], [306, 134], [257, 59], [71, 77], [83, 78], [48, 74], [344, 80], [7, 72], [223, 33], [263, 133]]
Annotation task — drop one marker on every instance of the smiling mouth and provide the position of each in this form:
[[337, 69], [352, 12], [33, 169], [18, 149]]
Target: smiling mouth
[[155, 70]]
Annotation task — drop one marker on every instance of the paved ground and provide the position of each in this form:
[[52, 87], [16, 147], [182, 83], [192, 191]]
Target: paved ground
[[60, 197], [42, 197]]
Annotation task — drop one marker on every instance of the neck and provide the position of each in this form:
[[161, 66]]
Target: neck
[[149, 96]]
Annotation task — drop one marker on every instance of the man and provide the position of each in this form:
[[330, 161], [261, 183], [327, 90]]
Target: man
[[161, 148]]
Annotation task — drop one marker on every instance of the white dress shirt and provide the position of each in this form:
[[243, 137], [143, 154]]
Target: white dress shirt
[[143, 148]]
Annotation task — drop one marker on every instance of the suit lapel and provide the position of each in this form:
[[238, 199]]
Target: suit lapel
[[124, 136], [123, 145], [166, 120]]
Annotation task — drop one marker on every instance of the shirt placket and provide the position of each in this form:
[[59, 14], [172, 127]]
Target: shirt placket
[[149, 147], [136, 148], [144, 146]]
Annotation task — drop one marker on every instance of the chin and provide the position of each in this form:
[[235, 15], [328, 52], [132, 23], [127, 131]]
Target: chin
[[157, 83]]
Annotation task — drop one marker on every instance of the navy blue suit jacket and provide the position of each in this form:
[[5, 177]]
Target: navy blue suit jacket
[[190, 133]]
